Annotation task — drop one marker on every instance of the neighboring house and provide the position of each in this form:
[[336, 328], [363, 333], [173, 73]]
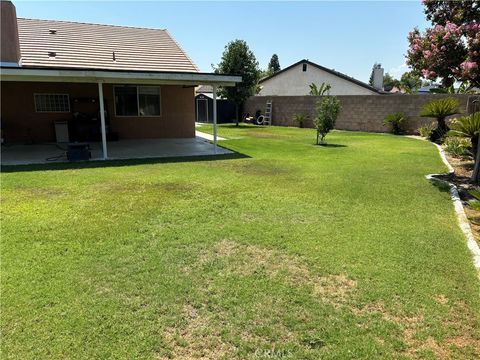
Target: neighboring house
[[204, 106], [56, 72], [295, 80]]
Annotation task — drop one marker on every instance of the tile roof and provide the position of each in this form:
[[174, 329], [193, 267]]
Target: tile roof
[[64, 44]]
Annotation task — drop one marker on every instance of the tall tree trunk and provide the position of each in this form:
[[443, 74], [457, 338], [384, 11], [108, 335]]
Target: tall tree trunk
[[476, 169]]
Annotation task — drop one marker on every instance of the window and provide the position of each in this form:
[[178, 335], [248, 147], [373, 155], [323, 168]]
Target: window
[[304, 67], [52, 103], [137, 100]]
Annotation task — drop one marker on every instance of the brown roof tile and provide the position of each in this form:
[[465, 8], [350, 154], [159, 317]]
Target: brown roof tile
[[80, 45]]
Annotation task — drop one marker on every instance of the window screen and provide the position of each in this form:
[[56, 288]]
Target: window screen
[[52, 103], [149, 100], [126, 101]]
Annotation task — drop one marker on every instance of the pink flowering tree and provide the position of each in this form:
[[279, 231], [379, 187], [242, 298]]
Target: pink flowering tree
[[450, 50]]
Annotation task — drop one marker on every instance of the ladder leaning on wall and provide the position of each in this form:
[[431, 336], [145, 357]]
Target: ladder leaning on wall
[[267, 118]]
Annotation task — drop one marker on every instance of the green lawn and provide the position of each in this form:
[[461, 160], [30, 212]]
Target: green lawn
[[290, 251]]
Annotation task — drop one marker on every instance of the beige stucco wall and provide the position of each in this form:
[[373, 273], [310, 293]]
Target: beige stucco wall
[[296, 82]]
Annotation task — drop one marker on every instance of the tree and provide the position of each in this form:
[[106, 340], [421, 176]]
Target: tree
[[410, 82], [321, 90], [327, 112], [238, 59], [273, 65], [389, 82], [375, 66], [450, 49], [440, 109]]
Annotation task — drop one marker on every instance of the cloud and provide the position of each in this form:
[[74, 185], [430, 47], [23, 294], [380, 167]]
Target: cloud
[[398, 71]]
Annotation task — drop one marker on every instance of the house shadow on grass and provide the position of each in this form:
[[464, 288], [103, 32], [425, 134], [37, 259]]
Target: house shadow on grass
[[117, 163]]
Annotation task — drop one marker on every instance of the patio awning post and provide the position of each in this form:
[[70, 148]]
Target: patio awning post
[[102, 120], [214, 119]]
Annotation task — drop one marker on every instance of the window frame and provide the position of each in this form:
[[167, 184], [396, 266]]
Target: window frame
[[52, 111], [138, 101]]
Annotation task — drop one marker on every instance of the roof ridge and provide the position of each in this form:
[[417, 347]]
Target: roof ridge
[[88, 23]]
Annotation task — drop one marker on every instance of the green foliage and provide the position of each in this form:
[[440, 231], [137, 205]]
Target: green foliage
[[397, 122], [323, 89], [464, 88], [410, 82], [426, 130], [300, 119], [468, 127], [389, 82], [440, 109], [458, 147], [475, 203], [273, 65], [327, 112], [238, 59]]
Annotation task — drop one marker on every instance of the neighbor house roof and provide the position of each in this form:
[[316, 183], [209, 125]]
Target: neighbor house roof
[[333, 72], [64, 44]]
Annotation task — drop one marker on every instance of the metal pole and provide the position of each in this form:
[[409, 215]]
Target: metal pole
[[214, 119], [102, 121]]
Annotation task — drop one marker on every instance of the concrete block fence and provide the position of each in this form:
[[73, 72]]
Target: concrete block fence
[[359, 112]]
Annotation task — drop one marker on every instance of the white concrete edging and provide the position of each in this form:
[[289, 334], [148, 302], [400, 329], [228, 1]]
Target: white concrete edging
[[459, 210]]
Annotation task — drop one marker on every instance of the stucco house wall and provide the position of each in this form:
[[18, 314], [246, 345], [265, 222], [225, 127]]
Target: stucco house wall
[[296, 82], [21, 123]]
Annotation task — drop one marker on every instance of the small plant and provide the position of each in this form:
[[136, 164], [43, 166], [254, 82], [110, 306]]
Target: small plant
[[327, 112], [457, 147], [301, 119], [321, 90], [397, 122], [467, 127], [440, 109], [426, 130], [475, 202]]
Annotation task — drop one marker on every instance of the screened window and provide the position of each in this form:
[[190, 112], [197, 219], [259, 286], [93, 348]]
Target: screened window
[[137, 101], [52, 103]]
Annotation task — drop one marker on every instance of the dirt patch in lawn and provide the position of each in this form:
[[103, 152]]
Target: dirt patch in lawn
[[252, 260]]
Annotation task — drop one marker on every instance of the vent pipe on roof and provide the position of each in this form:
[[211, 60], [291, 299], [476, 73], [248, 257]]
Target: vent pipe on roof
[[114, 58], [52, 31], [10, 44]]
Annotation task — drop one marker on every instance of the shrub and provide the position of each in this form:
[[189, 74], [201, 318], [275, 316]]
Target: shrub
[[467, 127], [440, 109], [327, 113], [397, 122], [458, 147], [301, 119], [426, 130]]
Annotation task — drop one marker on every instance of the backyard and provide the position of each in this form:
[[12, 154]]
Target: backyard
[[286, 250]]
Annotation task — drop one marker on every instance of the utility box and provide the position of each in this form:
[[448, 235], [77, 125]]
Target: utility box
[[78, 152], [61, 131]]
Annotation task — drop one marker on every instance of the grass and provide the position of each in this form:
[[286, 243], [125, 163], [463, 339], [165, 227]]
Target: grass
[[288, 251]]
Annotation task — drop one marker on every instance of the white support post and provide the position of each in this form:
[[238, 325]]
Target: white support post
[[102, 121], [214, 119]]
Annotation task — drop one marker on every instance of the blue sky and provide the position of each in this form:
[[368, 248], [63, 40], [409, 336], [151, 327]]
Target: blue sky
[[348, 36]]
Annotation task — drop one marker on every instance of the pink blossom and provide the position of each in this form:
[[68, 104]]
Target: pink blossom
[[443, 48], [468, 66]]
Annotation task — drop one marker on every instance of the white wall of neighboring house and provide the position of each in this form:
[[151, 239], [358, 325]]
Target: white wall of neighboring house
[[295, 81]]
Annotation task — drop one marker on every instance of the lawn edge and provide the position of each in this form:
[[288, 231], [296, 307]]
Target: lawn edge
[[458, 206]]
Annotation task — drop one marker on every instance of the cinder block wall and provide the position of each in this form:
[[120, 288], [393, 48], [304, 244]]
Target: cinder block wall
[[359, 112]]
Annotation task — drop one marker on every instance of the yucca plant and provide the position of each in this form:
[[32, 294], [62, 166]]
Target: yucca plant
[[440, 109], [301, 119], [467, 127]]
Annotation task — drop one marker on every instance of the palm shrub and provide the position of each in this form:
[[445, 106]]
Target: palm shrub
[[327, 112], [397, 122], [467, 127], [300, 119], [440, 109], [321, 90]]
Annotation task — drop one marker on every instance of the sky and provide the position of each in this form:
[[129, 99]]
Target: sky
[[348, 36]]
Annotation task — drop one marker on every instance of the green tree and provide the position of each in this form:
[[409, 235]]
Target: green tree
[[327, 112], [273, 65], [238, 59], [321, 90], [410, 82], [389, 82]]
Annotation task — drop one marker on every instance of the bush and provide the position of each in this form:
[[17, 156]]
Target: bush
[[397, 122], [458, 147], [467, 127], [440, 109], [426, 130], [301, 119], [327, 113]]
